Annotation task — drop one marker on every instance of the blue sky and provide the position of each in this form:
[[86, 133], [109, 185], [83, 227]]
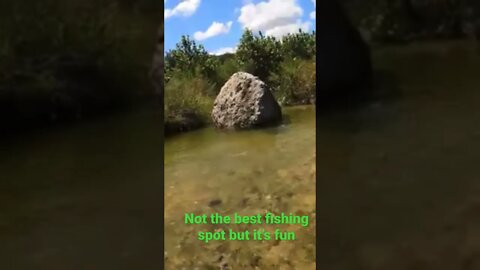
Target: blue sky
[[218, 24]]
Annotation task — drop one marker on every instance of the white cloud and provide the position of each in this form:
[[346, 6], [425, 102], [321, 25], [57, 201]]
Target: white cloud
[[184, 8], [215, 29], [273, 17], [313, 14], [281, 30], [224, 50]]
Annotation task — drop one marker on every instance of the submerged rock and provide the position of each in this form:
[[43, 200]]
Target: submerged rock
[[215, 202], [245, 102]]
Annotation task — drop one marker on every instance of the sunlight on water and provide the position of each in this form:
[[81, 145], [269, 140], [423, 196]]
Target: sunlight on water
[[209, 165]]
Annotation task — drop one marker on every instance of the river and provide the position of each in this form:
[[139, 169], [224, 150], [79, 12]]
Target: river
[[248, 173]]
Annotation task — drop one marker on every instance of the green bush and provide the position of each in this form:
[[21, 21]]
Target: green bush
[[300, 45], [259, 54], [188, 57], [295, 82], [187, 98], [224, 71]]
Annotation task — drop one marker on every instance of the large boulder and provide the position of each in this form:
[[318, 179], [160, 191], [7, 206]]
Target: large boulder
[[343, 58], [245, 102]]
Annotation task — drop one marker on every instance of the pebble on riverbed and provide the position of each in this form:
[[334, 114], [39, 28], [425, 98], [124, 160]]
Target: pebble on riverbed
[[215, 202]]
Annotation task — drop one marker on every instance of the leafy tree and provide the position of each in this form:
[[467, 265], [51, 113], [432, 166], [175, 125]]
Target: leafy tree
[[189, 57], [258, 54], [300, 45]]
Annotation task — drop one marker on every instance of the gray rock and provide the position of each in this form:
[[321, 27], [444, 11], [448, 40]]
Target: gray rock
[[245, 102]]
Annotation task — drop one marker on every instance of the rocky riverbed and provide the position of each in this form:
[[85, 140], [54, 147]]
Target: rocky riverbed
[[293, 191]]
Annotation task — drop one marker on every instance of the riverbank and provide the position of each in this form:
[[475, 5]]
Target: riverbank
[[196, 106], [188, 104]]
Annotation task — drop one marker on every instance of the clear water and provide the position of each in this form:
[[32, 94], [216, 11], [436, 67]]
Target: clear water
[[247, 172]]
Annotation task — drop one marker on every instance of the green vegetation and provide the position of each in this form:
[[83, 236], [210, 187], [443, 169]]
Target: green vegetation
[[187, 103], [294, 82], [194, 78], [64, 60], [259, 55]]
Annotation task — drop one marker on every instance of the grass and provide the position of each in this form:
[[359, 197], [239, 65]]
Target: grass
[[187, 103]]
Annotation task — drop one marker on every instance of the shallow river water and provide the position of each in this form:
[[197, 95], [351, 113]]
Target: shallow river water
[[247, 173]]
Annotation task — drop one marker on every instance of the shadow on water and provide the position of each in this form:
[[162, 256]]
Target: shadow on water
[[282, 127]]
